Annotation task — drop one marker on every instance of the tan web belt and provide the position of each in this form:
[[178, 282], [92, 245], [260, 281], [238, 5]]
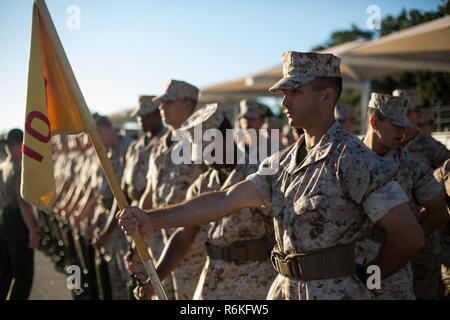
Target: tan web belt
[[328, 263], [245, 250]]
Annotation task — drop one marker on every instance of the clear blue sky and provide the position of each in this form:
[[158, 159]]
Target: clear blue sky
[[126, 48]]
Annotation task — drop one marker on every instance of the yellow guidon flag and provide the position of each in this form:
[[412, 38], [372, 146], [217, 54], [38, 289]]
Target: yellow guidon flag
[[54, 105]]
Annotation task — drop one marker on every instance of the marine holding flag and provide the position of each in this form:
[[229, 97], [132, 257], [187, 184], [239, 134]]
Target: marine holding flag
[[55, 105]]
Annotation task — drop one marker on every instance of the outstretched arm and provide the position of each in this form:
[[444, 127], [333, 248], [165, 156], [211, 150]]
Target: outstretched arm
[[198, 211]]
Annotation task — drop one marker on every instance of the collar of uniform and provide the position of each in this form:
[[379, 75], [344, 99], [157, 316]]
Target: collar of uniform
[[166, 140], [319, 152]]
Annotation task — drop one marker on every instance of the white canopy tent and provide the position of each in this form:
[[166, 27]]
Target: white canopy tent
[[423, 47]]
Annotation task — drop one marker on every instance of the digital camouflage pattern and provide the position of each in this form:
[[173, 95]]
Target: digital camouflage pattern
[[136, 165], [331, 198], [299, 68], [169, 183], [178, 90], [219, 278], [252, 109], [428, 150], [425, 264], [394, 108], [418, 183], [412, 97], [189, 269], [117, 244]]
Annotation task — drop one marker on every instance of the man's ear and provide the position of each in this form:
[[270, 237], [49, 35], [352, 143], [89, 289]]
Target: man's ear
[[188, 106], [373, 121], [328, 96]]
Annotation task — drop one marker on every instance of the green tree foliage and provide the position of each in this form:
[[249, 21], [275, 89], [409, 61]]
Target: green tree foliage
[[343, 36], [433, 86]]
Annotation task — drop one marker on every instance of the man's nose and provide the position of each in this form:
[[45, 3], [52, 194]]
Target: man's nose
[[286, 102]]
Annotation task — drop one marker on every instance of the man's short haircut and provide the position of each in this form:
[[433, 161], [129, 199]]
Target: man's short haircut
[[335, 83], [14, 137], [103, 121], [375, 112]]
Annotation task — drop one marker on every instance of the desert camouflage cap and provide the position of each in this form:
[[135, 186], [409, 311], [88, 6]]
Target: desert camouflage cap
[[252, 109], [426, 116], [411, 96], [145, 106], [299, 68], [393, 108], [344, 112], [207, 117], [178, 90]]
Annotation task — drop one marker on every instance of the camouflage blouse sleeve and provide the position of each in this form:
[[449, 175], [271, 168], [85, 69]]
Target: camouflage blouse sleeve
[[262, 179], [425, 186], [369, 181]]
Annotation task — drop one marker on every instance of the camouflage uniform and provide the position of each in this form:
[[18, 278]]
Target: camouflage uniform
[[419, 185], [117, 245], [416, 180], [219, 277], [327, 199], [426, 120], [362, 190], [169, 181], [137, 157], [10, 183], [254, 110], [134, 177], [425, 264], [428, 150], [443, 176], [189, 269], [425, 147]]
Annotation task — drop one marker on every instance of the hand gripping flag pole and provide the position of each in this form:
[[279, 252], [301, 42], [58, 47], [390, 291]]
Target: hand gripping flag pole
[[56, 105]]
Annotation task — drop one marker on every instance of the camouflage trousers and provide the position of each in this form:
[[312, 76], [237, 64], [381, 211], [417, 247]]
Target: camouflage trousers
[[188, 271], [118, 275], [345, 288], [228, 280], [398, 286], [156, 241], [426, 271]]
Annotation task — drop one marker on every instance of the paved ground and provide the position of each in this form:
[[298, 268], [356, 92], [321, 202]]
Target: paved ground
[[48, 284]]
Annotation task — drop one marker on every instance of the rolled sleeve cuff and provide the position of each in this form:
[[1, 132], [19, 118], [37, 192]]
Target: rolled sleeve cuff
[[383, 199], [263, 187]]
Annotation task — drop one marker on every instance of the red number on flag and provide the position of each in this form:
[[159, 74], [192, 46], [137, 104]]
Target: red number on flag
[[39, 136]]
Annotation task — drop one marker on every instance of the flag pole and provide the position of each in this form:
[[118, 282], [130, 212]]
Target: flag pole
[[123, 203], [99, 148]]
